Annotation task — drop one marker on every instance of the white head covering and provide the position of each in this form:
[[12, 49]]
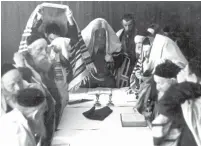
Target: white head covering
[[113, 43], [139, 39], [164, 48]]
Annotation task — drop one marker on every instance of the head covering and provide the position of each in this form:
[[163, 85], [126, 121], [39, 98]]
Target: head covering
[[164, 48], [195, 65], [6, 68], [113, 43], [30, 97], [153, 28], [167, 70], [139, 39]]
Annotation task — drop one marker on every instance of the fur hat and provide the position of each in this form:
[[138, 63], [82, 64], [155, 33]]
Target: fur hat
[[30, 97], [167, 69]]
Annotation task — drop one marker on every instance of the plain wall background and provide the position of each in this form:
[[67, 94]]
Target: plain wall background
[[14, 15]]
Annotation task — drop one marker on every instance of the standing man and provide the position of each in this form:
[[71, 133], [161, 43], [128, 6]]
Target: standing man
[[126, 36]]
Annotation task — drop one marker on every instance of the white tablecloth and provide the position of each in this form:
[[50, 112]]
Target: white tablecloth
[[76, 130]]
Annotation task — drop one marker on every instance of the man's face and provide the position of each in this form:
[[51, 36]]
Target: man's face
[[138, 47], [12, 81], [128, 25], [162, 84], [51, 37], [39, 54], [146, 50], [100, 39]]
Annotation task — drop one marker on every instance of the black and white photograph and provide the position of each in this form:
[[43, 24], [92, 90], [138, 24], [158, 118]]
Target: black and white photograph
[[100, 73]]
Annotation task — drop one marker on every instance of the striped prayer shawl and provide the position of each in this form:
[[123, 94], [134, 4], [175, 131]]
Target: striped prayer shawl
[[80, 62], [165, 131]]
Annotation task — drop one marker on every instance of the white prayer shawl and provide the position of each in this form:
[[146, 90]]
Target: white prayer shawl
[[191, 110], [164, 48], [112, 41]]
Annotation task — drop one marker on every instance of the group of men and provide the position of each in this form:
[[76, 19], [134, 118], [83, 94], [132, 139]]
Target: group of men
[[48, 65]]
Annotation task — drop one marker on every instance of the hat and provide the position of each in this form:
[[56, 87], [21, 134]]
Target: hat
[[139, 38], [167, 69], [195, 65], [6, 67], [30, 97]]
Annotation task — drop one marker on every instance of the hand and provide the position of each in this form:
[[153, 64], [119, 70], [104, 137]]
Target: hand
[[19, 59], [68, 12]]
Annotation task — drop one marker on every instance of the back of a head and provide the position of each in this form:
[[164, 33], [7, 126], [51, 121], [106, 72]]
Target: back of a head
[[195, 65], [30, 97], [53, 28], [167, 70]]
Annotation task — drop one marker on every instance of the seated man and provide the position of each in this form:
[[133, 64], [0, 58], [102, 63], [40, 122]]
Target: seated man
[[24, 125], [185, 98], [167, 130], [105, 49], [11, 84]]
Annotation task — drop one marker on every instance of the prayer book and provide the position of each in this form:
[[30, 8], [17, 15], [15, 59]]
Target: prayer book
[[133, 120]]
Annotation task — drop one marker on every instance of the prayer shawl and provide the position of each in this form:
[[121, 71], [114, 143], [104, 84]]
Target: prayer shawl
[[113, 44], [80, 58], [184, 96], [165, 48]]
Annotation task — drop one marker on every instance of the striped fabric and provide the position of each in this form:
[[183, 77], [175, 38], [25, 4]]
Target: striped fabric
[[80, 59], [165, 132], [80, 62]]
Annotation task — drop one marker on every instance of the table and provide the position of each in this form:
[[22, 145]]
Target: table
[[76, 130]]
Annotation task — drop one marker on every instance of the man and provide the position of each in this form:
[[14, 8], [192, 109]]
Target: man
[[126, 36], [105, 50], [24, 125], [184, 98], [166, 131], [11, 84], [142, 67], [33, 54], [169, 127]]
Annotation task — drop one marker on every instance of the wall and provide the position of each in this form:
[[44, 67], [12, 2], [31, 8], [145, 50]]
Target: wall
[[14, 15]]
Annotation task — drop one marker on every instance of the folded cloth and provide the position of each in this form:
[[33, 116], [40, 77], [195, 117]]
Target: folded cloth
[[99, 114]]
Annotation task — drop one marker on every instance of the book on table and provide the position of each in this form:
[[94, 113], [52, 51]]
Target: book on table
[[133, 120]]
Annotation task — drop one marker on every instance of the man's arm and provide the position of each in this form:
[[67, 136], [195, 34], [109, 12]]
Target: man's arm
[[72, 28]]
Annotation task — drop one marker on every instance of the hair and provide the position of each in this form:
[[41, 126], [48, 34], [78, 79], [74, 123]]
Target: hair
[[146, 41], [167, 69], [30, 97], [53, 28], [127, 17], [33, 37], [156, 27], [166, 29], [195, 65]]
